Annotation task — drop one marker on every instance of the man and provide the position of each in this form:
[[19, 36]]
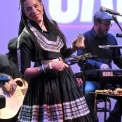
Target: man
[[9, 71], [99, 35], [8, 62]]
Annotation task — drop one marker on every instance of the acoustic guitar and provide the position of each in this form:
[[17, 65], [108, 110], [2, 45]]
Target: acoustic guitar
[[13, 102]]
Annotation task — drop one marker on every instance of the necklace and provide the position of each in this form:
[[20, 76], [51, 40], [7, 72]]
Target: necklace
[[41, 24]]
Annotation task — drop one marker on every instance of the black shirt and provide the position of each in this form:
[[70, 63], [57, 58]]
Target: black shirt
[[106, 56]]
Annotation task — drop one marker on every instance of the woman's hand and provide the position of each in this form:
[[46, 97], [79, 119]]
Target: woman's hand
[[78, 42], [58, 65]]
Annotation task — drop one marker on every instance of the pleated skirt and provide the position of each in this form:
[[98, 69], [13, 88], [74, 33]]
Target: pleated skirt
[[54, 96]]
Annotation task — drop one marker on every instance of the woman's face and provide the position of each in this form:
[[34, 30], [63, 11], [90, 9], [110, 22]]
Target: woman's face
[[33, 9]]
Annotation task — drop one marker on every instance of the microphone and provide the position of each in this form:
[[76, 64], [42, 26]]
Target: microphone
[[110, 46], [118, 35], [104, 9], [104, 46]]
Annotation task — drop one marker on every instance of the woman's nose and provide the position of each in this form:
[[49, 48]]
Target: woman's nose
[[33, 10]]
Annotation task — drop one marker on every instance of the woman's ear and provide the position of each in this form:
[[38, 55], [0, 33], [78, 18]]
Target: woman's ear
[[41, 3]]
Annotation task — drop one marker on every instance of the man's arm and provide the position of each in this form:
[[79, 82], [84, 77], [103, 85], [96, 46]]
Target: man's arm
[[92, 63], [3, 75]]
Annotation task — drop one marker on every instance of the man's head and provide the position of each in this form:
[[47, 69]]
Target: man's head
[[102, 22], [102, 16], [12, 45]]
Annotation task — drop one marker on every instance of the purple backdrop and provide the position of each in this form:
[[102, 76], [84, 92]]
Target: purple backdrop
[[73, 17]]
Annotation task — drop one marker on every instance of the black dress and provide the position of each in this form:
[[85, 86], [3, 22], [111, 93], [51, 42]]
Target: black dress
[[53, 96]]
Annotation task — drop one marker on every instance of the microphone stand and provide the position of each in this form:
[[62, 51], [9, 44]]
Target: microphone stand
[[115, 19]]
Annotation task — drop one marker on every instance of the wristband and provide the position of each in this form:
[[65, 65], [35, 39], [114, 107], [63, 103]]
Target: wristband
[[43, 67]]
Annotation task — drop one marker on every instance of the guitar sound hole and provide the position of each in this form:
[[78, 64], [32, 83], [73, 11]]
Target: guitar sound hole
[[19, 83]]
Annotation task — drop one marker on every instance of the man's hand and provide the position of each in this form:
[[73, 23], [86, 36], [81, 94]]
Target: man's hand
[[106, 73], [104, 66], [12, 85]]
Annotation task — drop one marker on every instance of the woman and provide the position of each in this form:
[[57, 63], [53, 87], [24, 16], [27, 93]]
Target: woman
[[53, 94]]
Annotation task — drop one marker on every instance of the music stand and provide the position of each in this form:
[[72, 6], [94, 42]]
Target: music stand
[[117, 97]]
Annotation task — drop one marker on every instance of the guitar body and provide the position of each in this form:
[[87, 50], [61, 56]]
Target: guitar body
[[13, 119], [13, 102]]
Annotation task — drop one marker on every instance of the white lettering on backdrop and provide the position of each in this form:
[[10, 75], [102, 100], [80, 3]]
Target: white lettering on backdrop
[[79, 9]]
